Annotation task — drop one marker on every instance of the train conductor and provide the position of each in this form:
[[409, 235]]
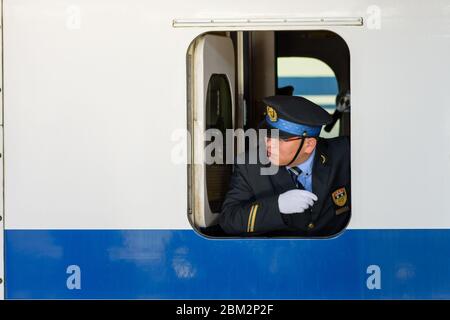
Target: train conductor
[[309, 195]]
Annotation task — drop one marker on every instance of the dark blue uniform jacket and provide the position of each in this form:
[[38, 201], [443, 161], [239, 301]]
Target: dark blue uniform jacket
[[251, 204]]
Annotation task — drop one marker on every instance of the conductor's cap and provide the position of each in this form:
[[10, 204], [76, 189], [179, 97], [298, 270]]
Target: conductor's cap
[[295, 116]]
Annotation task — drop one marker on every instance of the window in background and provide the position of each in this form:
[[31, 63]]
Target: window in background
[[313, 80]]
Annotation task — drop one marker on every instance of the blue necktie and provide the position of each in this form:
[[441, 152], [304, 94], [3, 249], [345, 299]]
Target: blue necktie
[[295, 173]]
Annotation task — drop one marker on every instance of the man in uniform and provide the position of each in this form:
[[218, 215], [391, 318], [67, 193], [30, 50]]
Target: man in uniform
[[309, 195]]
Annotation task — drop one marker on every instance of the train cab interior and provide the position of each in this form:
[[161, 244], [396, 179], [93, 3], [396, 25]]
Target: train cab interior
[[228, 75]]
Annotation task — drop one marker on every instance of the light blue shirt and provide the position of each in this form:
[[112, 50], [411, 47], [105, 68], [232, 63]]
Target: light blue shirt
[[305, 178]]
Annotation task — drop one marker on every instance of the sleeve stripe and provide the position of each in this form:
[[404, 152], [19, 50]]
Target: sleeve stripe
[[250, 218], [252, 226]]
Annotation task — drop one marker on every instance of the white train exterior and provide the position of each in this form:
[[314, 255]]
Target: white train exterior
[[95, 207]]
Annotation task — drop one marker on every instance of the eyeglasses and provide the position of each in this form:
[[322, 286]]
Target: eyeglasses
[[290, 139], [285, 139]]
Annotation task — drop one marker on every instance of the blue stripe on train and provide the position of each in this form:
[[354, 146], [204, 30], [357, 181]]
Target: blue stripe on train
[[310, 85], [181, 264]]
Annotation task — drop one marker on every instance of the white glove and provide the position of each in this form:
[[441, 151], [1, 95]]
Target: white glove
[[295, 201]]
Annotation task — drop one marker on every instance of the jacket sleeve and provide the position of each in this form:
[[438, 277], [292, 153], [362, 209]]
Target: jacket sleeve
[[243, 214]]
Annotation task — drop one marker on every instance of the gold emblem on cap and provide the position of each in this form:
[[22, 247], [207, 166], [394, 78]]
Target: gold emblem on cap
[[340, 197], [272, 114]]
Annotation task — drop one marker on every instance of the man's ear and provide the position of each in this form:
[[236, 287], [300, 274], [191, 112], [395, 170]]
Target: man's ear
[[310, 145]]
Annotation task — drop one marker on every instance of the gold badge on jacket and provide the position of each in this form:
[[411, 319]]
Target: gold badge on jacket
[[340, 197], [272, 114]]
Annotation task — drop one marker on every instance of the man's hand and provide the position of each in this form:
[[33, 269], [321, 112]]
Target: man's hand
[[295, 201]]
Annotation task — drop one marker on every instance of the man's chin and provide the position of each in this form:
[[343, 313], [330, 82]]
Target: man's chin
[[275, 161]]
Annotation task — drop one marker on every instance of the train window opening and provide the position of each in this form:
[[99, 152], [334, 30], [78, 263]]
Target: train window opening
[[228, 75]]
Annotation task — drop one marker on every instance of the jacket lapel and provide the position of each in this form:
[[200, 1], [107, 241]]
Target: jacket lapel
[[282, 181], [320, 176]]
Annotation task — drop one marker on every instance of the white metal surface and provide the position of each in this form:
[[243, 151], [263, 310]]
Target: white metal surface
[[2, 253], [2, 216], [212, 55], [93, 95]]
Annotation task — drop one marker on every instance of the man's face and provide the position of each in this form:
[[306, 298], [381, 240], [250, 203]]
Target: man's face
[[281, 152]]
